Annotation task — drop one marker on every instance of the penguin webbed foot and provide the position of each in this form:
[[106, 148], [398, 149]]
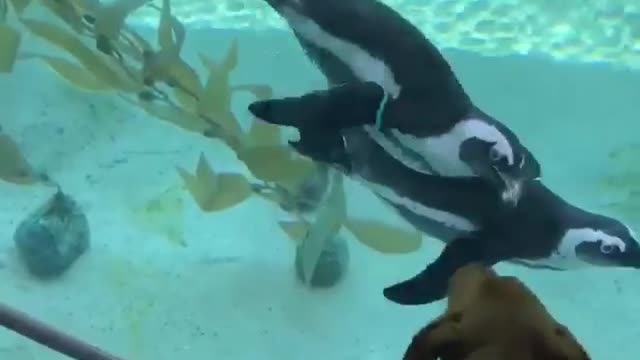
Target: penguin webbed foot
[[431, 284]]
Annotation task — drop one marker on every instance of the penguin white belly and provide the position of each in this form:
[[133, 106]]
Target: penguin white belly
[[398, 152], [445, 218], [440, 153]]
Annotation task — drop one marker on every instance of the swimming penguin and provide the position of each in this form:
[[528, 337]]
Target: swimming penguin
[[392, 81], [467, 214]]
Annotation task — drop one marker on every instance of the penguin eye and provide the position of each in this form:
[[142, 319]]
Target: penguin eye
[[607, 248]]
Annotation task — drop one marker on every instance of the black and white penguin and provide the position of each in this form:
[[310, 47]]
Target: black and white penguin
[[467, 214], [392, 81]]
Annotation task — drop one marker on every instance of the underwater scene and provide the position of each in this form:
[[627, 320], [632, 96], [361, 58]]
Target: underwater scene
[[313, 179]]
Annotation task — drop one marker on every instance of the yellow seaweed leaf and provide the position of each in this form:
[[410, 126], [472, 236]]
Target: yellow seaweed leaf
[[165, 31], [185, 99], [215, 99], [216, 95], [296, 230], [228, 64], [166, 64], [188, 86], [331, 216], [215, 192], [276, 164], [14, 167], [73, 73], [133, 45], [264, 134], [232, 189], [19, 5], [164, 215], [228, 122], [384, 238], [66, 12], [110, 17], [174, 115], [9, 44], [171, 32], [92, 61]]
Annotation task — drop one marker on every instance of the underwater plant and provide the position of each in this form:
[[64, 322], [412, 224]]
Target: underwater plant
[[106, 55], [9, 37], [14, 166], [215, 191], [330, 216]]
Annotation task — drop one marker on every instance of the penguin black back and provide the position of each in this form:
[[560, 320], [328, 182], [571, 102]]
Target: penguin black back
[[396, 44]]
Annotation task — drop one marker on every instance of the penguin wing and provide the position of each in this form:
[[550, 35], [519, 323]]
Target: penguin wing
[[431, 284], [319, 116], [336, 108], [369, 41]]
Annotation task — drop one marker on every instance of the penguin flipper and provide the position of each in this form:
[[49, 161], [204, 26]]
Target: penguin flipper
[[339, 107], [324, 146], [432, 283]]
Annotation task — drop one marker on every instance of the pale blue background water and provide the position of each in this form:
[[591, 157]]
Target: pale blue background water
[[570, 115]]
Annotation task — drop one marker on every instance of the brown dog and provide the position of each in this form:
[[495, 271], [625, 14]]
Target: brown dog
[[492, 317]]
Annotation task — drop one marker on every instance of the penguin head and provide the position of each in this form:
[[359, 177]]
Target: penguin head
[[611, 243], [493, 152]]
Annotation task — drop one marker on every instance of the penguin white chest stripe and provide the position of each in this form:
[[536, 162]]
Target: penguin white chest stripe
[[399, 152], [363, 65], [448, 219], [564, 256], [442, 150]]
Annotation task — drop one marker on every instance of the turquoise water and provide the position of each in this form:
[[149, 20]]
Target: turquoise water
[[231, 292]]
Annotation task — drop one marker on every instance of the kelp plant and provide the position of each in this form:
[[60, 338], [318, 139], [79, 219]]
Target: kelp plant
[[14, 166], [109, 56], [9, 38]]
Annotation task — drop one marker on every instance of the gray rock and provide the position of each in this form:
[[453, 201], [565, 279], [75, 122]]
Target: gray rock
[[332, 264], [53, 237]]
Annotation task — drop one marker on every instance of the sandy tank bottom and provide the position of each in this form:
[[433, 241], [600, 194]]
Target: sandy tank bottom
[[183, 284]]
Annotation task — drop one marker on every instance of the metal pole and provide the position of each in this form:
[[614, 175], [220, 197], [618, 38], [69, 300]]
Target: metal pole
[[46, 335]]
